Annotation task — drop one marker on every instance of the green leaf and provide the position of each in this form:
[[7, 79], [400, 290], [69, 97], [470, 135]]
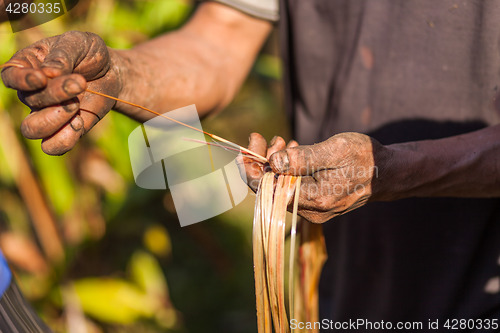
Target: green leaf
[[57, 181], [147, 273], [160, 16], [113, 300]]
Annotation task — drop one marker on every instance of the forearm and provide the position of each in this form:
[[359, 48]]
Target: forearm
[[467, 165], [203, 63]]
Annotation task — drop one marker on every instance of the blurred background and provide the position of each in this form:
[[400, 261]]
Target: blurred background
[[95, 253]]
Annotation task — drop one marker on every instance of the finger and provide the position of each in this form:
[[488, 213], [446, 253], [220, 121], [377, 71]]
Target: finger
[[64, 139], [65, 54], [27, 79], [25, 73], [298, 161], [68, 136], [44, 123], [92, 109], [329, 197], [257, 144], [252, 171], [292, 144], [69, 52], [312, 205], [277, 143], [58, 90], [306, 160]]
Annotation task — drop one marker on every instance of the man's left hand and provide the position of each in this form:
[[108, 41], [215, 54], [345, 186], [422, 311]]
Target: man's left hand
[[338, 175]]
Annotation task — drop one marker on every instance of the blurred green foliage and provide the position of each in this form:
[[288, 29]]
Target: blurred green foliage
[[127, 266]]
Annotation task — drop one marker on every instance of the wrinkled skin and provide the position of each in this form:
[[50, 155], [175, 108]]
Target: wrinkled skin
[[56, 71], [338, 175]]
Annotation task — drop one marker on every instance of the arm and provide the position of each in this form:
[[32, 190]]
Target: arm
[[204, 62], [466, 165], [350, 169]]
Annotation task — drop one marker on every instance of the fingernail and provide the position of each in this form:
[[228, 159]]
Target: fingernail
[[53, 64], [71, 87], [70, 107], [273, 140], [76, 123], [280, 162], [33, 81]]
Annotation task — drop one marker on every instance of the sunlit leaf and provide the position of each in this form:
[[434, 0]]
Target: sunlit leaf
[[162, 15], [57, 181], [147, 273], [113, 300]]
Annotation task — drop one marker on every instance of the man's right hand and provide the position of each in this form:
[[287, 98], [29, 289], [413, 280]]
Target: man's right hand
[[52, 81], [203, 63]]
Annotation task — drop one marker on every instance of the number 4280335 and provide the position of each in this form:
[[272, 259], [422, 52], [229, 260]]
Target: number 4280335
[[33, 8]]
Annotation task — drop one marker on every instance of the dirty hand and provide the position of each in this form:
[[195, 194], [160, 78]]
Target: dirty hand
[[338, 175], [56, 71]]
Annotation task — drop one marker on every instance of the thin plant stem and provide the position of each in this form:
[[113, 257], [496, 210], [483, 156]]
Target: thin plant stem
[[213, 136]]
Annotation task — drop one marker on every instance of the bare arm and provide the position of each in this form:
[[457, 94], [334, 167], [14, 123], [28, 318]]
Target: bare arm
[[204, 63], [466, 165], [350, 169]]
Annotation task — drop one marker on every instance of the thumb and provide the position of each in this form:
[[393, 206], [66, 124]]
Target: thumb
[[300, 160], [339, 151], [69, 51], [63, 55]]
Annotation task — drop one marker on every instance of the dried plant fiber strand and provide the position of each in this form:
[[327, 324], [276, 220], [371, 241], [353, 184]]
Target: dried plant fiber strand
[[269, 225]]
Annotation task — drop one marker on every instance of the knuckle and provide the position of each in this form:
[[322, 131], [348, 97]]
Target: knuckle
[[322, 203], [94, 37], [70, 106], [34, 101], [74, 33], [27, 129]]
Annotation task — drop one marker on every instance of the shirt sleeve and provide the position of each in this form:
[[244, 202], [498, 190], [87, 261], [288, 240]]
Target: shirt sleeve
[[263, 9]]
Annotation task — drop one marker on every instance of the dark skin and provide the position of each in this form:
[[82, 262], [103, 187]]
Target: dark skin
[[466, 166], [205, 63], [52, 82], [196, 66]]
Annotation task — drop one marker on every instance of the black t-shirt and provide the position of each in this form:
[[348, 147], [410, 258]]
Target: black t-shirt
[[400, 70]]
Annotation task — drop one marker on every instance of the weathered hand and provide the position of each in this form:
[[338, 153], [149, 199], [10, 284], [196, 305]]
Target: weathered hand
[[52, 81], [338, 175], [253, 170]]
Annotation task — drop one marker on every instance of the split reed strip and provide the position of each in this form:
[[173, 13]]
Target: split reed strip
[[269, 251], [312, 257], [273, 196], [293, 240]]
